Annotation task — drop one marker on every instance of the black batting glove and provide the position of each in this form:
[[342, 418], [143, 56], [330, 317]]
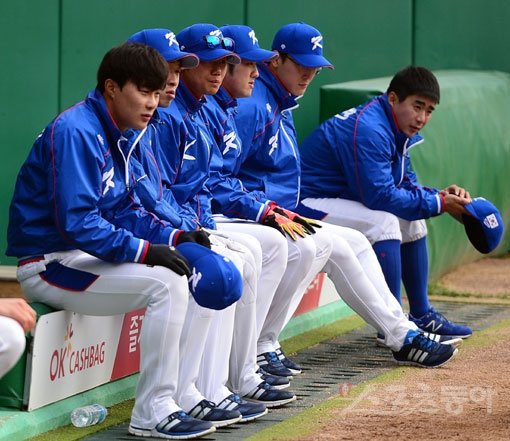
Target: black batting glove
[[169, 257], [197, 236]]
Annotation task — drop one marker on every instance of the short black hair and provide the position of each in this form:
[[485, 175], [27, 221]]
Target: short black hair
[[415, 80], [138, 63]]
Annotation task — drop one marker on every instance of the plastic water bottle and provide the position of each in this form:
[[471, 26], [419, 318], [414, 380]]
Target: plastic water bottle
[[88, 415]]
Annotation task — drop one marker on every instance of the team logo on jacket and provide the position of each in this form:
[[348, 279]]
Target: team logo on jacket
[[186, 148], [273, 142], [108, 181], [230, 142], [316, 42]]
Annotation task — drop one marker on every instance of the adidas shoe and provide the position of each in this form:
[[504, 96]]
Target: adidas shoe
[[272, 365], [178, 425], [421, 351], [288, 363], [443, 339], [274, 381], [435, 322], [249, 411], [207, 411], [265, 394]]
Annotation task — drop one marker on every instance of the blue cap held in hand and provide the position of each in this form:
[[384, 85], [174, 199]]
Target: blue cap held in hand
[[246, 44], [484, 225], [208, 43], [303, 43], [164, 41], [215, 282]]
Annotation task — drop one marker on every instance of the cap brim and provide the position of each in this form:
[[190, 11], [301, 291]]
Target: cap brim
[[188, 61], [218, 54], [314, 61], [257, 55]]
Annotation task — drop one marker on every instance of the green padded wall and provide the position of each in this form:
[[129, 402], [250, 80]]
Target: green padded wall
[[29, 60], [466, 143], [462, 34]]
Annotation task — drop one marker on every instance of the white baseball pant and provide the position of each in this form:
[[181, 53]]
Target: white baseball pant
[[120, 288], [12, 343]]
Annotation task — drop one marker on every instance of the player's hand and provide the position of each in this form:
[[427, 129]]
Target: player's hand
[[456, 191], [169, 257], [308, 224], [19, 310], [454, 206], [284, 225], [199, 236]]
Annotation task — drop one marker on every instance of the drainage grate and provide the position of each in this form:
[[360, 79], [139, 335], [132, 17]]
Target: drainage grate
[[346, 360]]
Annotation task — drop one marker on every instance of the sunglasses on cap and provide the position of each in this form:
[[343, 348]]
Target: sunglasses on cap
[[214, 42]]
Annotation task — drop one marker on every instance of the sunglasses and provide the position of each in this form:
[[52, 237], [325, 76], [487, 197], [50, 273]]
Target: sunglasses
[[214, 42]]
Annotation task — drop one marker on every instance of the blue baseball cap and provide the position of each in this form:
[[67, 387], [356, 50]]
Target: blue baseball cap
[[207, 42], [303, 43], [215, 281], [246, 43], [163, 40], [484, 225]]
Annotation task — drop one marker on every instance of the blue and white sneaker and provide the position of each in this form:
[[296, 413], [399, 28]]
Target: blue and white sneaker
[[270, 362], [291, 365], [249, 411], [207, 411], [420, 351], [268, 396], [443, 339], [273, 380], [435, 322], [178, 425]]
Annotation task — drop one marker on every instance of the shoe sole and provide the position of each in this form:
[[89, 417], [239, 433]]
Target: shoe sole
[[414, 363], [280, 386], [248, 418], [295, 371], [224, 423], [454, 341], [271, 404], [153, 433]]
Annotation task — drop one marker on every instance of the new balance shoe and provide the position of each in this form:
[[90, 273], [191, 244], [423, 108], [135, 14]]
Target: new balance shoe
[[270, 362], [268, 396], [291, 365], [443, 339], [249, 411], [420, 351], [435, 322], [207, 411], [178, 425]]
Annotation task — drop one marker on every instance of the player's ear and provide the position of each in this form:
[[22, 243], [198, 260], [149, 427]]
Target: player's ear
[[393, 98], [109, 88]]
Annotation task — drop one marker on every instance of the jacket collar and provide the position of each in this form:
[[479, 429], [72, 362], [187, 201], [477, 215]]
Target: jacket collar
[[225, 100], [401, 139], [284, 98], [189, 101]]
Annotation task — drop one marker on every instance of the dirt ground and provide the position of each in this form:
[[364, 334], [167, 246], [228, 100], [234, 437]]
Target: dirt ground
[[465, 400]]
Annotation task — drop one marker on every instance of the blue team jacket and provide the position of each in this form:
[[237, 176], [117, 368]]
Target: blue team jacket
[[76, 190], [189, 188], [361, 155], [270, 158], [229, 195]]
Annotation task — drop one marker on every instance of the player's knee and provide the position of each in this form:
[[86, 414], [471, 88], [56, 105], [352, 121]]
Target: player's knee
[[12, 346], [388, 227]]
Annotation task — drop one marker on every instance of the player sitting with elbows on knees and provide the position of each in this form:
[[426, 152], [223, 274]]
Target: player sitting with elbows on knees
[[357, 173]]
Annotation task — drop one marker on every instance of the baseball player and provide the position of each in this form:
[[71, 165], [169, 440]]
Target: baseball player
[[270, 169], [73, 202], [357, 172], [202, 387], [16, 318]]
